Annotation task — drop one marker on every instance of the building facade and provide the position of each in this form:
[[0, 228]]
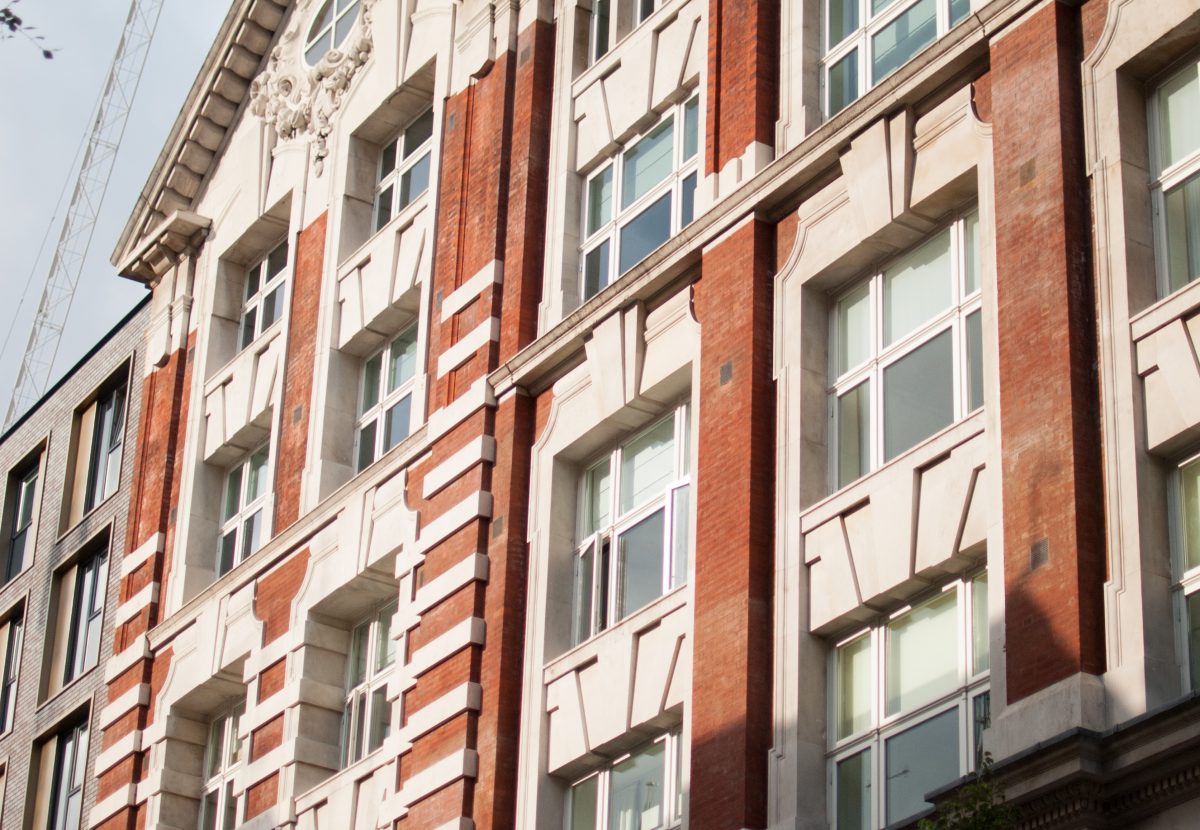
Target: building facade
[[659, 413], [69, 469]]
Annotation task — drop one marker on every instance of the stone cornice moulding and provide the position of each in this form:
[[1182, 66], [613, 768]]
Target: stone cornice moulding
[[297, 100]]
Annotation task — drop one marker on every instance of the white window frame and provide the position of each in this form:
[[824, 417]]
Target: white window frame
[[963, 304], [609, 231], [10, 677], [1163, 180], [236, 522], [224, 755], [376, 414], [23, 511], [639, 11], [107, 446], [970, 686], [387, 182], [1186, 580], [265, 285], [673, 783], [316, 31], [70, 746], [86, 629], [361, 705], [674, 501], [862, 39]]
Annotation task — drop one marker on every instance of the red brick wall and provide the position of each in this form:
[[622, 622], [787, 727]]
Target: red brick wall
[[271, 679], [472, 213], [262, 796], [274, 593], [529, 178], [1048, 415], [731, 687], [292, 446], [743, 78]]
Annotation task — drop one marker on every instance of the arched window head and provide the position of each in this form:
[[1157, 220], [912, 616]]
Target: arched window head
[[329, 28]]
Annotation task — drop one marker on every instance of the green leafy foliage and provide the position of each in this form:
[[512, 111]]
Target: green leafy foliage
[[978, 805]]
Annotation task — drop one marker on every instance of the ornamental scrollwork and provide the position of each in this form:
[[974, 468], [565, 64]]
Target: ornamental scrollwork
[[298, 100]]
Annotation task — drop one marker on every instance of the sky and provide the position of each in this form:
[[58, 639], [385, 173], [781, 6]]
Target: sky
[[46, 112]]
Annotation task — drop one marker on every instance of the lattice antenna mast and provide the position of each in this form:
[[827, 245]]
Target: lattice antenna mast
[[90, 187]]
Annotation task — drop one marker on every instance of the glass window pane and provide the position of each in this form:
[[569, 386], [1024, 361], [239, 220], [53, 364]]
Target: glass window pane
[[599, 29], [974, 324], [1193, 635], [681, 544], [418, 133], [317, 51], [370, 383], [277, 260], [636, 799], [595, 270], [357, 667], [415, 181], [1183, 233], [583, 804], [599, 200], [1189, 477], [256, 483], [383, 209], [651, 228], [918, 395], [249, 321], [387, 159], [381, 719], [385, 646], [228, 552], [1178, 126], [597, 499], [271, 307], [230, 818], [854, 325], [854, 792], [972, 255], [897, 42], [395, 424], [687, 200], [645, 9], [253, 280], [854, 433], [648, 162], [959, 9], [691, 128], [647, 465], [402, 366], [918, 761], [878, 6], [980, 633], [344, 24], [981, 719], [234, 748], [582, 595], [208, 812], [251, 531], [233, 492], [916, 288], [921, 654], [216, 750], [854, 685], [323, 19], [842, 83], [641, 561], [842, 20]]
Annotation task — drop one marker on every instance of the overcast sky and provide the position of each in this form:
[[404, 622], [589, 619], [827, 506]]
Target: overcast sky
[[47, 111]]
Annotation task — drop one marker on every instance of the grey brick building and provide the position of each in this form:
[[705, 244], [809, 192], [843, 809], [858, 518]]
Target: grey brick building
[[67, 468]]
